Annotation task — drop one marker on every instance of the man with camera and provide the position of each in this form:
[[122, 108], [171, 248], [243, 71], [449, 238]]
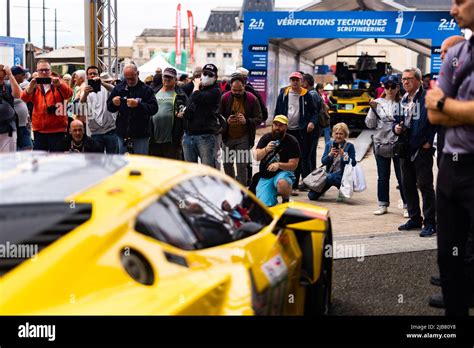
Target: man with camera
[[135, 103], [417, 165], [279, 154], [49, 118], [100, 121], [8, 92]]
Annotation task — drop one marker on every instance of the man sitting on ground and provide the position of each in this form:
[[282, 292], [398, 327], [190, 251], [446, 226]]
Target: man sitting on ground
[[77, 141], [279, 154]]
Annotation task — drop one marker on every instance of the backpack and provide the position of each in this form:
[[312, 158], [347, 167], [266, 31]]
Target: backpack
[[7, 109]]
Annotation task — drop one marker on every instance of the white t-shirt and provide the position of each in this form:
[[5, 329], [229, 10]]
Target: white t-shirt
[[293, 110]]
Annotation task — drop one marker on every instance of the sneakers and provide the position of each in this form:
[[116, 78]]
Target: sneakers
[[410, 225], [340, 198], [302, 187], [428, 231], [294, 193], [381, 210], [405, 214]]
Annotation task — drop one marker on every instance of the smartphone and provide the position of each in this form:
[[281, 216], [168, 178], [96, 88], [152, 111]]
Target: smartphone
[[95, 84], [43, 80], [335, 145]]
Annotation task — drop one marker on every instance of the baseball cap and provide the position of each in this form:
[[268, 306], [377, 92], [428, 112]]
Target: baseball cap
[[281, 118], [210, 67], [297, 75], [18, 69], [390, 79], [170, 72], [242, 71]]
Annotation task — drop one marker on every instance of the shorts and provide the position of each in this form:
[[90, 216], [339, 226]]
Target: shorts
[[24, 141], [267, 188]]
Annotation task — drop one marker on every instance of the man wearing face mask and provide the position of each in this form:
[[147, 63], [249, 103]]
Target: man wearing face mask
[[200, 119], [243, 114]]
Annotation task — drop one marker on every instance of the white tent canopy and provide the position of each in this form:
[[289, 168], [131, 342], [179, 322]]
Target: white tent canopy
[[157, 61]]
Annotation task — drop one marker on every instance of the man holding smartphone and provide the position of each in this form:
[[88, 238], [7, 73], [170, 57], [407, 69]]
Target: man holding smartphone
[[49, 117], [100, 121], [135, 103]]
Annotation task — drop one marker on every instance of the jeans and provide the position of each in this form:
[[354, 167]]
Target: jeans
[[23, 141], [48, 141], [200, 146], [455, 207], [140, 146], [238, 151], [383, 182], [306, 141], [108, 142], [419, 175], [327, 134]]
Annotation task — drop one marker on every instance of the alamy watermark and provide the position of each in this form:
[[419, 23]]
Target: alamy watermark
[[18, 251]]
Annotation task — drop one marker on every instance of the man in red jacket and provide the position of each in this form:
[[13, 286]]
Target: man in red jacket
[[49, 118]]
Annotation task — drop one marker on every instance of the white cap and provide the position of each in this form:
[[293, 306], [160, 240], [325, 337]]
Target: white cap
[[329, 87], [242, 71]]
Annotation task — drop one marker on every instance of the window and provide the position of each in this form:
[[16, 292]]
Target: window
[[140, 53], [151, 52], [227, 55], [201, 213], [211, 54]]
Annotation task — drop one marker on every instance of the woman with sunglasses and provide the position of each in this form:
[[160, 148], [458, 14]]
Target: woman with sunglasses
[[381, 117]]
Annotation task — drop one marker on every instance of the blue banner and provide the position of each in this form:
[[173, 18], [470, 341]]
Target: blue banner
[[18, 46], [260, 27]]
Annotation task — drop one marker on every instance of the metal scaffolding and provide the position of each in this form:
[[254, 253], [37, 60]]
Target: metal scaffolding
[[101, 33]]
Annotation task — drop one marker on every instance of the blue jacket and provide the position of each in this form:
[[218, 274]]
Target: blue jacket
[[421, 131], [133, 122], [308, 112], [336, 177]]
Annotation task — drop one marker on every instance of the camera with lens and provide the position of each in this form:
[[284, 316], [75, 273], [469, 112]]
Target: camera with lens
[[51, 109], [128, 142], [123, 100]]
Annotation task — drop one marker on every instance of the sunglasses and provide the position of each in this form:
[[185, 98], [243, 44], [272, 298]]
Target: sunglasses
[[209, 74], [390, 87], [44, 71]]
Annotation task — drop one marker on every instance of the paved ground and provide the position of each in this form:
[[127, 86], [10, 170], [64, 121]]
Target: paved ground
[[395, 284]]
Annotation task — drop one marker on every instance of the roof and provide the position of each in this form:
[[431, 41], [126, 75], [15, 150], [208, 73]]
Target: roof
[[64, 55], [150, 32], [222, 21]]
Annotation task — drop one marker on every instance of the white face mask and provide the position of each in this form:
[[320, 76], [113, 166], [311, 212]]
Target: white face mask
[[207, 81]]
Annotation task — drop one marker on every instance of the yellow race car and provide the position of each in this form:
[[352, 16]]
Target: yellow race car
[[88, 234], [350, 106]]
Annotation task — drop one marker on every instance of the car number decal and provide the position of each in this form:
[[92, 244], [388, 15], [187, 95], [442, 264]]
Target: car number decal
[[275, 270]]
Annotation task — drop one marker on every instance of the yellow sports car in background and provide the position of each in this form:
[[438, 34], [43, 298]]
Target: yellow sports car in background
[[350, 106], [135, 235]]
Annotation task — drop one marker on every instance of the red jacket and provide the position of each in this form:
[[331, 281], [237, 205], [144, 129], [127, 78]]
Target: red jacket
[[41, 120]]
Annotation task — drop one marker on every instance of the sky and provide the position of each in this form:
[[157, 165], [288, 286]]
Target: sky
[[133, 17]]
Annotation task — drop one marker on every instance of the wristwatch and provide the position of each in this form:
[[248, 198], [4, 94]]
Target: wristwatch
[[440, 104]]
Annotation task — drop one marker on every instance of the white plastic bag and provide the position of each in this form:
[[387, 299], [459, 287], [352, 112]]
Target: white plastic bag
[[347, 183], [359, 179]]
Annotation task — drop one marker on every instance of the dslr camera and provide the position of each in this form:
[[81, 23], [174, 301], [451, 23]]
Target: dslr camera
[[51, 110]]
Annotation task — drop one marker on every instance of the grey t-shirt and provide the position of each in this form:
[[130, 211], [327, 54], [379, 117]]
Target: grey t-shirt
[[164, 118], [22, 111], [458, 140], [293, 110]]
